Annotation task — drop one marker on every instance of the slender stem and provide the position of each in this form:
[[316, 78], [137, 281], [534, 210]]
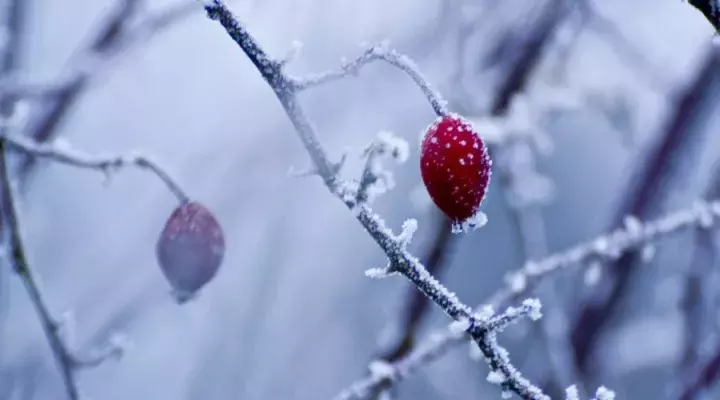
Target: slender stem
[[103, 164], [22, 268]]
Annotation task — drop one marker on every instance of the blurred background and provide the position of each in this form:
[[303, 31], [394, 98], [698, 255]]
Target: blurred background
[[614, 110]]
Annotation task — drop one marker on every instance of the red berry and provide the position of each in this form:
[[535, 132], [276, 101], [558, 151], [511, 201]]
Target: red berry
[[455, 167], [190, 249]]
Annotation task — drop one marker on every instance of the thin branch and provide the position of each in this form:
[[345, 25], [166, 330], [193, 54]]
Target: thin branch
[[106, 165], [380, 52], [115, 36], [610, 246], [659, 170], [119, 35], [395, 247], [67, 362], [707, 375], [397, 371], [700, 298], [609, 31]]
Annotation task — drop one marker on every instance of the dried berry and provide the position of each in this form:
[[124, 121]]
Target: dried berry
[[455, 167], [190, 249]]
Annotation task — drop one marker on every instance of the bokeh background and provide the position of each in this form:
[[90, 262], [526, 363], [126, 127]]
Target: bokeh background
[[623, 118]]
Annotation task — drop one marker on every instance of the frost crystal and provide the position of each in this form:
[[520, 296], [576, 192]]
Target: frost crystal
[[572, 393], [484, 314], [604, 393], [647, 253], [533, 307], [516, 281], [395, 146], [409, 228], [593, 274], [460, 326], [478, 220], [496, 377], [381, 369], [377, 273]]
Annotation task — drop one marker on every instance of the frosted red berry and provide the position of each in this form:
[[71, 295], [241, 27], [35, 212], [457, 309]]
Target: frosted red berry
[[455, 167], [190, 249]]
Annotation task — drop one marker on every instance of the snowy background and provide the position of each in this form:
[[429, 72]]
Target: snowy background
[[290, 314]]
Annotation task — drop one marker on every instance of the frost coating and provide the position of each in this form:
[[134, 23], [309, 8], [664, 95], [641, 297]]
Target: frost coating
[[399, 259], [496, 377], [455, 168], [604, 393], [476, 221], [572, 393], [376, 180]]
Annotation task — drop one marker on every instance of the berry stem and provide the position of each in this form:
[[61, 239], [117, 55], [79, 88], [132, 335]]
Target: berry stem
[[379, 52]]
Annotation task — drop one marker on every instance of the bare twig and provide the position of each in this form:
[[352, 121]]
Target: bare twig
[[115, 36], [400, 260], [610, 246], [13, 18], [381, 52], [66, 155], [67, 362], [700, 297], [707, 375], [668, 162], [609, 31]]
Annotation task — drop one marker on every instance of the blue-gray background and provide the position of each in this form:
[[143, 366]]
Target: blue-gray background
[[291, 314]]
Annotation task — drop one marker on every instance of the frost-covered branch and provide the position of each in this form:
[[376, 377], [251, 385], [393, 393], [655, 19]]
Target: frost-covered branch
[[380, 52], [635, 234], [484, 323], [120, 34], [395, 247], [63, 153], [67, 361]]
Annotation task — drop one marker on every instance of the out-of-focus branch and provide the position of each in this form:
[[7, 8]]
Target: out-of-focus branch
[[13, 18], [671, 159], [700, 298], [67, 362], [117, 34], [394, 247], [611, 246], [708, 374], [608, 30], [107, 165]]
